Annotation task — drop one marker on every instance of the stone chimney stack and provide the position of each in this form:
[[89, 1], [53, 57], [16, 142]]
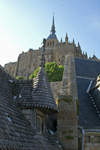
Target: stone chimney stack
[[67, 108]]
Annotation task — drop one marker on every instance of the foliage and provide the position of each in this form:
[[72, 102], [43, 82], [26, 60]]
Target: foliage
[[53, 71], [67, 99], [20, 77], [33, 75]]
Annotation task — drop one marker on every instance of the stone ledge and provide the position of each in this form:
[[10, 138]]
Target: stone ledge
[[65, 96]]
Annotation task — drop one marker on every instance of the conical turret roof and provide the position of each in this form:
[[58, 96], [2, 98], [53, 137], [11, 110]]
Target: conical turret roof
[[42, 95]]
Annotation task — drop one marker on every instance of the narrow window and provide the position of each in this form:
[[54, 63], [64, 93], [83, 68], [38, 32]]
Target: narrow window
[[38, 124]]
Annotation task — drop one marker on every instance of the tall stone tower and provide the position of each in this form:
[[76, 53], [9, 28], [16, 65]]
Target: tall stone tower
[[67, 108]]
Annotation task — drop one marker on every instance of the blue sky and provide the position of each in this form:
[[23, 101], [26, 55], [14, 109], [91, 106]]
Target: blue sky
[[24, 24]]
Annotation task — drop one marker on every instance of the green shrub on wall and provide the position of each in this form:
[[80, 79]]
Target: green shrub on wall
[[53, 71]]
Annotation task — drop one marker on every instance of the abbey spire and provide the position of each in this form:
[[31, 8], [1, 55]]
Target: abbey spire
[[52, 34], [53, 26]]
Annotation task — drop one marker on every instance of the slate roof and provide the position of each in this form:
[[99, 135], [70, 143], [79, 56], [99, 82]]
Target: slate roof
[[36, 93], [15, 130], [42, 93], [86, 70], [88, 116], [24, 89], [51, 36], [95, 93]]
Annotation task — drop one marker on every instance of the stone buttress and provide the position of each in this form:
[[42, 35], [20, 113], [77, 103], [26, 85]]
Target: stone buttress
[[67, 108]]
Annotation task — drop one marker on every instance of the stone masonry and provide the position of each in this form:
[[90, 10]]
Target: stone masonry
[[55, 51], [67, 115]]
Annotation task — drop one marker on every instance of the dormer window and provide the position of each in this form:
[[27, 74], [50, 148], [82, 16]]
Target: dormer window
[[40, 121], [39, 124]]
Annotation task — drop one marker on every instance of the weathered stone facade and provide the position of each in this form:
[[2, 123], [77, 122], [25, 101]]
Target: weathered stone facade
[[91, 139], [67, 115], [55, 52]]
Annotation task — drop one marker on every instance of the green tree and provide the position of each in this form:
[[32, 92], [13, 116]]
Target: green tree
[[53, 71], [20, 77], [34, 74]]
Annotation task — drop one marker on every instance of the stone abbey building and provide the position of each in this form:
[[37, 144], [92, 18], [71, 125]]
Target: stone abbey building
[[28, 111], [55, 52]]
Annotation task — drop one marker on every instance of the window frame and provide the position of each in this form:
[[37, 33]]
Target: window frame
[[41, 122]]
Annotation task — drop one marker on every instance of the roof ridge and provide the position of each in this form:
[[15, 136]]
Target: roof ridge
[[86, 59], [2, 68]]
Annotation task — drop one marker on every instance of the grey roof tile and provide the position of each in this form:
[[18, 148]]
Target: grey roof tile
[[86, 70], [88, 116], [51, 36], [15, 130], [36, 93]]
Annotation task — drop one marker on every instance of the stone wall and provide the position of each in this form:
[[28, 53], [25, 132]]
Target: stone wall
[[92, 140], [11, 68], [55, 52], [56, 88], [67, 114]]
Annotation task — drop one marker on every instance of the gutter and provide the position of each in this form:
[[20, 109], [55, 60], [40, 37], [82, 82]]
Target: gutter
[[83, 133], [89, 87]]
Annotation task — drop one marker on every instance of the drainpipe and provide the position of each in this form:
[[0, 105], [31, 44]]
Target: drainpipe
[[83, 133]]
